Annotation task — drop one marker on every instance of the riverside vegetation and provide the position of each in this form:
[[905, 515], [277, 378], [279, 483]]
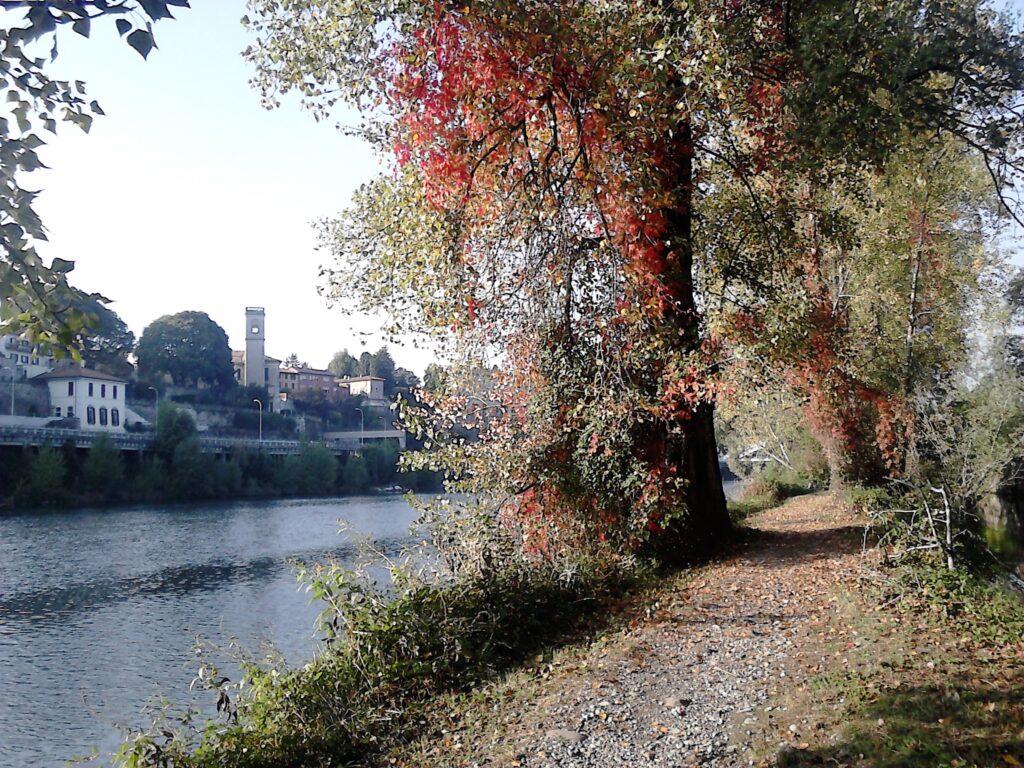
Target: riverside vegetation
[[824, 653], [176, 470]]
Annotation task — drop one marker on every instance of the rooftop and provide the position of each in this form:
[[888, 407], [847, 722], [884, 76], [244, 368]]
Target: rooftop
[[79, 372], [291, 369]]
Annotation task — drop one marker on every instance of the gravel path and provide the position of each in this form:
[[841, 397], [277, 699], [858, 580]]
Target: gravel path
[[691, 684]]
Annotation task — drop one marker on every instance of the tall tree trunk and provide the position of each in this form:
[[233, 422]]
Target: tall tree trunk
[[687, 443]]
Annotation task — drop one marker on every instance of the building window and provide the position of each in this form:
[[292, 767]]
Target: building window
[[71, 411], [103, 390], [103, 417], [24, 358], [35, 361], [56, 411], [90, 415], [115, 391], [71, 388], [255, 330], [115, 417], [90, 389]]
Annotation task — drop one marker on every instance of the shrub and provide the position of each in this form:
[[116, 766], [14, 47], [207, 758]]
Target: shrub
[[355, 478], [45, 482], [226, 478], [103, 468], [381, 461], [318, 470], [273, 423], [148, 479], [766, 489]]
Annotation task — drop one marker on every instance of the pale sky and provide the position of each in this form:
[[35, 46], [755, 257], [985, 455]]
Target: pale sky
[[189, 195]]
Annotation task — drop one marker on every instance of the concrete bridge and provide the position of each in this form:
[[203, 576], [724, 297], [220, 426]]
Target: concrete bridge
[[336, 442]]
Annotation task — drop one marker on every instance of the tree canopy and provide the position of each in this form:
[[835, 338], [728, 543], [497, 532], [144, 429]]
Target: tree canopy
[[189, 347], [571, 177], [343, 364], [109, 341], [380, 364]]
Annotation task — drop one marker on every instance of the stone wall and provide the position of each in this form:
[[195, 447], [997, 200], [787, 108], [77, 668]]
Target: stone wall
[[30, 399]]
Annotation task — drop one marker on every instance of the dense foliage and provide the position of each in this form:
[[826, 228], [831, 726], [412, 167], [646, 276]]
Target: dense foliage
[[108, 342], [189, 348], [619, 197]]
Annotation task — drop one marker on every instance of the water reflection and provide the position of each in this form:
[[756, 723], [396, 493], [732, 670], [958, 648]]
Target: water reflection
[[97, 608]]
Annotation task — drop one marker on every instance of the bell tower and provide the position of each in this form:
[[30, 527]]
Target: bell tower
[[255, 354]]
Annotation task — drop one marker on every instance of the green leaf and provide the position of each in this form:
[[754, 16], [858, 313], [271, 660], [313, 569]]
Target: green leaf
[[155, 9], [83, 121], [141, 41], [123, 25], [82, 26], [62, 265], [41, 21]]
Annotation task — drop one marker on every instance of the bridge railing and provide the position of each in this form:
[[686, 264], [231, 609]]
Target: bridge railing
[[335, 442]]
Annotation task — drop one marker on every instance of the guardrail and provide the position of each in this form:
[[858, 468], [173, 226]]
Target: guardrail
[[81, 438], [132, 441]]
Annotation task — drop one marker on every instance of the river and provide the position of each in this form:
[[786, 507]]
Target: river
[[100, 609]]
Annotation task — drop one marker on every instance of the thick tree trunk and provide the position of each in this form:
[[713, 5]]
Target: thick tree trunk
[[705, 496], [688, 445]]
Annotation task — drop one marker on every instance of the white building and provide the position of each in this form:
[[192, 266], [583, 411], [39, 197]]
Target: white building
[[370, 387], [96, 399], [252, 366]]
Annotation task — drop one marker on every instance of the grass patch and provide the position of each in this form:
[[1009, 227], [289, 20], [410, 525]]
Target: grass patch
[[943, 686]]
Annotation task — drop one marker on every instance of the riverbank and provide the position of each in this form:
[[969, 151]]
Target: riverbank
[[67, 478], [796, 649], [100, 610]]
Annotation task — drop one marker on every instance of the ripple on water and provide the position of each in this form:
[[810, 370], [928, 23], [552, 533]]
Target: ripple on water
[[97, 609]]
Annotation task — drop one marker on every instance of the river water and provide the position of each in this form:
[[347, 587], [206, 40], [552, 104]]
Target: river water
[[99, 608]]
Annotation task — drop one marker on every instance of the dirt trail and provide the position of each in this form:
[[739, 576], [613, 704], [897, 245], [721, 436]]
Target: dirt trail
[[691, 680]]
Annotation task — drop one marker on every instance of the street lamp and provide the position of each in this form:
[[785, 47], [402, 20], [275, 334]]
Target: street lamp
[[260, 404], [360, 425], [156, 405]]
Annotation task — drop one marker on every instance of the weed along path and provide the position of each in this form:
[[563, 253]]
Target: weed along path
[[784, 652]]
